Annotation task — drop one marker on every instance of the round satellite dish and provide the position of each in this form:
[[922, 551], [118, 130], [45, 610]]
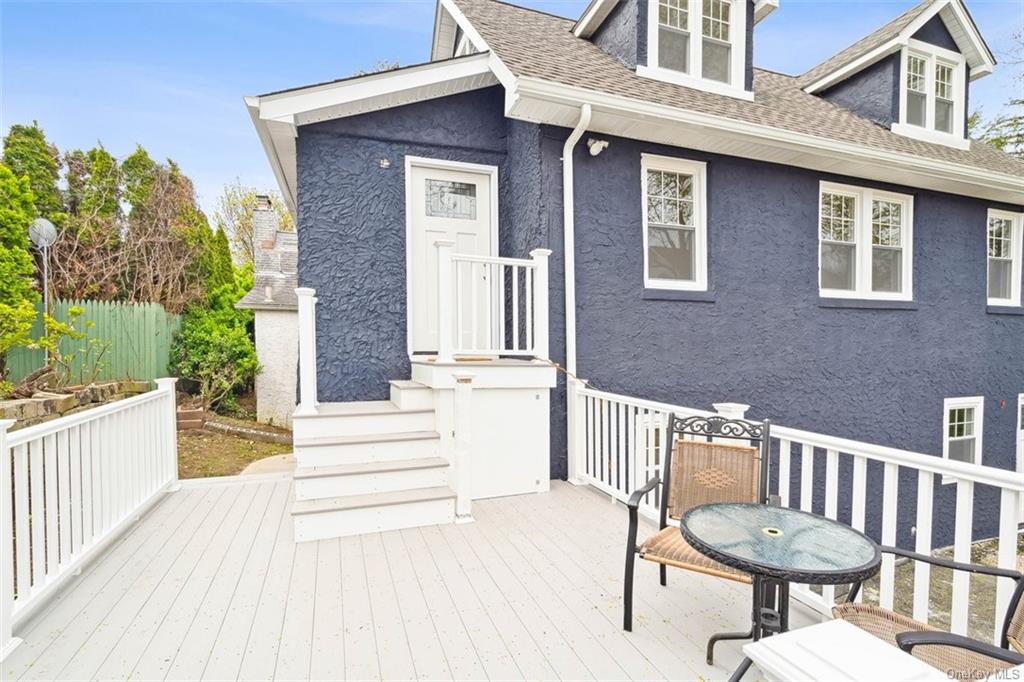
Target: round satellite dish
[[42, 233]]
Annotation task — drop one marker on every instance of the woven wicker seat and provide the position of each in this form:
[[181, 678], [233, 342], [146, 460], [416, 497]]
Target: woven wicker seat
[[669, 547]]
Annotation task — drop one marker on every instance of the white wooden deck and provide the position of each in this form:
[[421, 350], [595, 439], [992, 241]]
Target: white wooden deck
[[210, 585]]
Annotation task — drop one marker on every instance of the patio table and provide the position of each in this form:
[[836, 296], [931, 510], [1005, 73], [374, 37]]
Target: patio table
[[777, 546]]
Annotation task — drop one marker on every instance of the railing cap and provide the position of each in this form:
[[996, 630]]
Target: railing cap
[[304, 291], [541, 253]]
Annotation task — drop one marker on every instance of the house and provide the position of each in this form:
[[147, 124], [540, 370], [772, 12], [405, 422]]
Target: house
[[272, 299], [626, 195]]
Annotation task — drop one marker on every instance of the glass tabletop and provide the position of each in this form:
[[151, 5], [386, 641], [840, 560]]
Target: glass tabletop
[[781, 543]]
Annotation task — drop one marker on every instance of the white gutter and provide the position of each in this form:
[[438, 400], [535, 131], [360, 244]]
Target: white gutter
[[569, 231]]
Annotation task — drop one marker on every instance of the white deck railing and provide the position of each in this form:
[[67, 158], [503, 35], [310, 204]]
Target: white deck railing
[[617, 442], [489, 305], [73, 485]]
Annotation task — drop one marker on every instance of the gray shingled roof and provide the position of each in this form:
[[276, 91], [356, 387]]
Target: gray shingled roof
[[282, 293], [539, 45], [869, 42]]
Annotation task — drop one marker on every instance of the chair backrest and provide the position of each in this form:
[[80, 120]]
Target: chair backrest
[[1014, 626], [708, 470]]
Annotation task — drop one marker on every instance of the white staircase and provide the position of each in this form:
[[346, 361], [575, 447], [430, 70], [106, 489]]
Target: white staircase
[[364, 467]]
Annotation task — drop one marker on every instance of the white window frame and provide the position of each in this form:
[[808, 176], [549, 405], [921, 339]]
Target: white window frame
[[863, 196], [976, 402], [1016, 248], [1020, 449], [736, 87], [933, 55], [697, 169]]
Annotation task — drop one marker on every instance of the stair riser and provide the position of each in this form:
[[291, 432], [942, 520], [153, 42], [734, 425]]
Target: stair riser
[[364, 484], [348, 522], [387, 451], [412, 398], [362, 424]]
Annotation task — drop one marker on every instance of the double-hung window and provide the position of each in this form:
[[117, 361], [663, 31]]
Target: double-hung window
[[675, 227], [699, 43], [932, 95], [865, 241], [962, 426], [1005, 236]]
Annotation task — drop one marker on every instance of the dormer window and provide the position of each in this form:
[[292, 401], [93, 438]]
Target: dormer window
[[932, 96], [698, 43]]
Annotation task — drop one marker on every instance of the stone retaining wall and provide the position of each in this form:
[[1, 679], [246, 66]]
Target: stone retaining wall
[[46, 405]]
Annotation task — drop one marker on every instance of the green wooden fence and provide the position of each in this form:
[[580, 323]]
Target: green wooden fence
[[139, 337]]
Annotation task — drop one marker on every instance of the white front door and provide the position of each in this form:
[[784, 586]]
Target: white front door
[[446, 202]]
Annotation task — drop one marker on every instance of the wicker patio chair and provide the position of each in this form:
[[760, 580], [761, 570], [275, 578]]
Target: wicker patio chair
[[698, 472], [956, 655]]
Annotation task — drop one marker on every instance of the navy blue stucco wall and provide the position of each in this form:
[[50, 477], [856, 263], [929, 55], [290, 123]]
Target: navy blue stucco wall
[[935, 32], [351, 215], [766, 338], [873, 93]]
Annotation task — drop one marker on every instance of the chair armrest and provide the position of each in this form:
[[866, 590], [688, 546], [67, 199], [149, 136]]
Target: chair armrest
[[955, 565], [638, 494], [908, 640]]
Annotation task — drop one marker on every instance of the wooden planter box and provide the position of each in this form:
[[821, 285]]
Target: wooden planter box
[[191, 419]]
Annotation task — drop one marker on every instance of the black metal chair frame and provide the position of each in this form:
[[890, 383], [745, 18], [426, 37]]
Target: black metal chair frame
[[711, 428], [908, 640]]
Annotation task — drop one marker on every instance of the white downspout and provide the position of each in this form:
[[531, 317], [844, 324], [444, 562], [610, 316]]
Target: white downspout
[[569, 231], [575, 465]]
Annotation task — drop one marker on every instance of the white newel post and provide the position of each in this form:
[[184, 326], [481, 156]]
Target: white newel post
[[7, 639], [444, 300], [463, 447], [307, 350], [540, 304], [731, 410], [576, 437], [167, 385]]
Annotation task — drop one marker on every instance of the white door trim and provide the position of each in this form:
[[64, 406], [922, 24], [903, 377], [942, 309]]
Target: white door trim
[[444, 164]]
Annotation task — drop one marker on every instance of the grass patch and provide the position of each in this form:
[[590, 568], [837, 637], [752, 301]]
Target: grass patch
[[202, 453]]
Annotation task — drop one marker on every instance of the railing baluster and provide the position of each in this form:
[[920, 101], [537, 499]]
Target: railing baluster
[[499, 283], [52, 502], [1006, 554], [887, 575], [474, 305], [64, 495], [623, 482], [36, 472], [86, 449], [923, 544], [22, 537], [528, 276], [515, 307], [806, 477], [784, 454], [962, 552], [828, 592]]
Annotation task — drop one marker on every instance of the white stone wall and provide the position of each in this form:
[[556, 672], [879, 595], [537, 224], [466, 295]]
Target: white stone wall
[[277, 347]]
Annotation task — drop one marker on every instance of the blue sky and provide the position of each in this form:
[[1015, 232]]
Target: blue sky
[[171, 75]]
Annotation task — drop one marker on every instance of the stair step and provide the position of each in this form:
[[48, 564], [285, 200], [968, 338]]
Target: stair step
[[358, 407], [324, 441], [370, 418], [411, 395], [370, 467], [388, 499]]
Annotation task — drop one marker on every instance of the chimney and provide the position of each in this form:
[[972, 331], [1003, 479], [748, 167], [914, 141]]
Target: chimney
[[264, 236], [262, 202]]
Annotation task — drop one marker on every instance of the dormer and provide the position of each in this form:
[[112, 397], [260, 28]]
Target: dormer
[[912, 75], [703, 44]]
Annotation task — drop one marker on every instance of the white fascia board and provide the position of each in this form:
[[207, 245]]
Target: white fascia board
[[498, 67], [546, 102], [286, 186], [762, 8], [859, 64], [284, 105], [592, 18]]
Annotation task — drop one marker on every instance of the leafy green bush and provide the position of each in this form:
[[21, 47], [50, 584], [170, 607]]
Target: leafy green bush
[[17, 292]]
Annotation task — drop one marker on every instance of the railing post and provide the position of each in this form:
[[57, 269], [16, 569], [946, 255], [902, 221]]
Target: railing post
[[463, 447], [731, 410], [540, 303], [307, 350], [7, 639], [444, 300], [576, 435], [167, 385]]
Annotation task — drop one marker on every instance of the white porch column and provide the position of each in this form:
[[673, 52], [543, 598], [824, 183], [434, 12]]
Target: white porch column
[[307, 350], [731, 410], [170, 444], [8, 641], [444, 300], [541, 296], [463, 447]]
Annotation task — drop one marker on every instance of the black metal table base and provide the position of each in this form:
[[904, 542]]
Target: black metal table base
[[769, 616]]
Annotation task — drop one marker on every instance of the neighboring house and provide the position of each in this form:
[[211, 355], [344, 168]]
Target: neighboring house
[[272, 298], [829, 248]]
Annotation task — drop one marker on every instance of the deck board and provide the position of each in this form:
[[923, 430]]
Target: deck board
[[211, 585]]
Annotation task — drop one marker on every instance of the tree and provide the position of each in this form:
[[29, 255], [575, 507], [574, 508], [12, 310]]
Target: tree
[[1005, 131], [28, 154], [382, 64], [17, 293], [234, 215]]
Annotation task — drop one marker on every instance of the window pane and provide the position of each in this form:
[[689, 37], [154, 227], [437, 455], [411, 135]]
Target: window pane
[[962, 450], [837, 217], [944, 116], [999, 238], [674, 13], [447, 199], [670, 253], [715, 22], [838, 265], [944, 81], [673, 49], [915, 108], [887, 269], [715, 61], [1000, 281]]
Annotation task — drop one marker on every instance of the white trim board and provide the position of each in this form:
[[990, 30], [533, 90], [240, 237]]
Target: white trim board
[[444, 164]]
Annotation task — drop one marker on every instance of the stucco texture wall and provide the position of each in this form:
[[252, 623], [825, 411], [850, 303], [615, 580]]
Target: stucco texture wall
[[766, 338], [873, 93], [277, 349]]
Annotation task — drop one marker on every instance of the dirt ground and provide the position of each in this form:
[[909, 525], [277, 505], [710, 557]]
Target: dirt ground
[[204, 453]]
